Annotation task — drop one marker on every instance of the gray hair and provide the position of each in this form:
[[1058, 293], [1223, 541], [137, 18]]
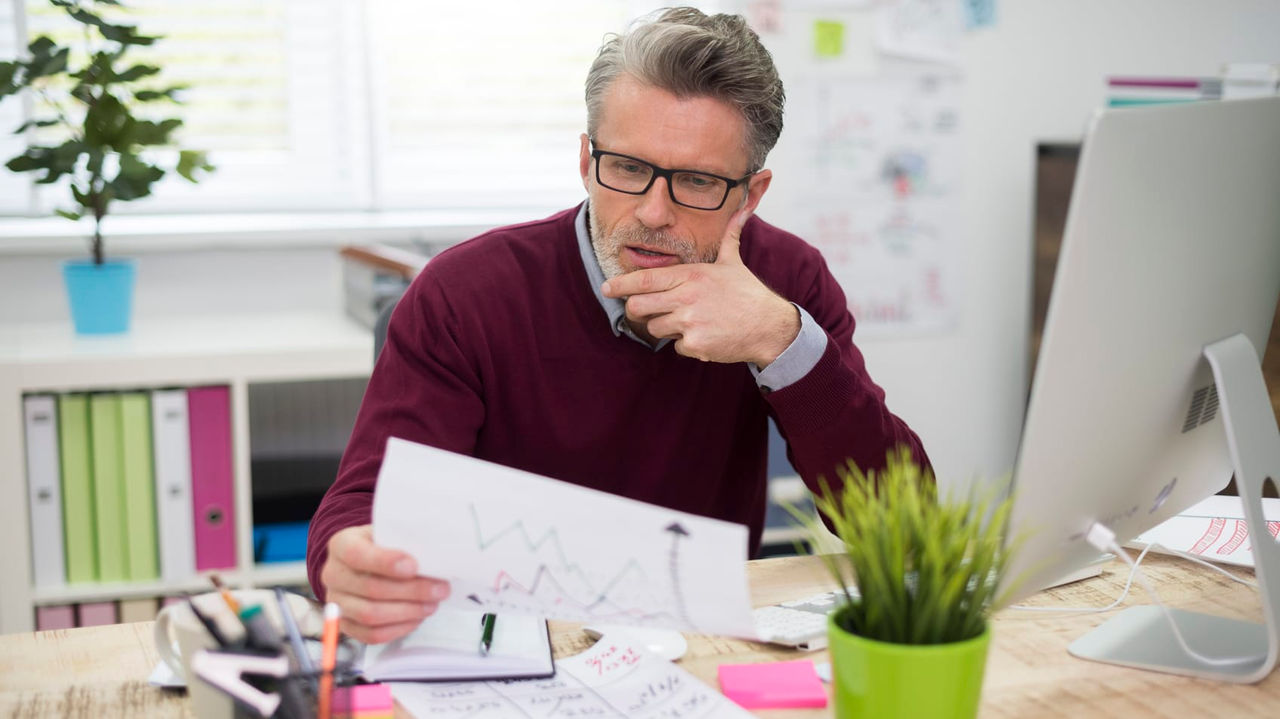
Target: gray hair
[[690, 54]]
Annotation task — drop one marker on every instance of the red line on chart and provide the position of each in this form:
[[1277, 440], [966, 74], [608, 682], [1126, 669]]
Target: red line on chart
[[1240, 534], [1210, 535]]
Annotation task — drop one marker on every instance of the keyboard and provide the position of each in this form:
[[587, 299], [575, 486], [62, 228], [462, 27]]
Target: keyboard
[[800, 623]]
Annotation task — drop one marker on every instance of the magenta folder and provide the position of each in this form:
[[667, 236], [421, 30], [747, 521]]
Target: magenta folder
[[96, 614], [59, 617], [773, 684], [212, 494]]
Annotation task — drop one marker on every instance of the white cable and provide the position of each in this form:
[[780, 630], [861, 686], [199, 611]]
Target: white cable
[[1198, 560], [1129, 583], [1104, 540]]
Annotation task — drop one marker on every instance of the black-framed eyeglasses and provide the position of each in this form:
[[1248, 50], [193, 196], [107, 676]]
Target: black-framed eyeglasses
[[688, 188]]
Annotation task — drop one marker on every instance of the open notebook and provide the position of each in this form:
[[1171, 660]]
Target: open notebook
[[446, 647]]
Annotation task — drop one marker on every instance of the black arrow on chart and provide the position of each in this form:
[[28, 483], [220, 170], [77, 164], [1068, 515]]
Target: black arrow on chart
[[677, 532]]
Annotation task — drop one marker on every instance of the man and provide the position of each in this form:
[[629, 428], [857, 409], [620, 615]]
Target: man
[[635, 344]]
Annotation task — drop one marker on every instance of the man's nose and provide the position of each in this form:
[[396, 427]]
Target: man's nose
[[656, 209]]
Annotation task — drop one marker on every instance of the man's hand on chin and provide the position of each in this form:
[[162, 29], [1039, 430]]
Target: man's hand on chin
[[715, 312]]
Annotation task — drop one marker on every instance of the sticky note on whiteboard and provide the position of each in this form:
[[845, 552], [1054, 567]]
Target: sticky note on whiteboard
[[828, 38]]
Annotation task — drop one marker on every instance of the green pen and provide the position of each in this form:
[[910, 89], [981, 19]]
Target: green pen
[[486, 638]]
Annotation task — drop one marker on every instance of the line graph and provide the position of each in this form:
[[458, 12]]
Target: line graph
[[511, 541], [592, 598]]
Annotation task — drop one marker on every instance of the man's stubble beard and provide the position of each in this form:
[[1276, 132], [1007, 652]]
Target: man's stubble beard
[[608, 248]]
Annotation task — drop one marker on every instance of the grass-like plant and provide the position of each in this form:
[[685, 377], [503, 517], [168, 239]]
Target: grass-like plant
[[915, 569]]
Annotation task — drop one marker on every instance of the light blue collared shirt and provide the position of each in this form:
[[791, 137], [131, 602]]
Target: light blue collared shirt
[[795, 361]]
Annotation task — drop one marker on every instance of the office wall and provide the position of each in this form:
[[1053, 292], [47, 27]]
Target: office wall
[[1036, 75]]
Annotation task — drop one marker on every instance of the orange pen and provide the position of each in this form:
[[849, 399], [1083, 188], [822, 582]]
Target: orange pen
[[226, 593], [328, 659]]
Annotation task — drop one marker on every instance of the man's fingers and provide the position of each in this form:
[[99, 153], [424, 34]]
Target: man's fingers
[[340, 577], [664, 327], [641, 282], [355, 548], [730, 252], [370, 613], [379, 634], [641, 308]]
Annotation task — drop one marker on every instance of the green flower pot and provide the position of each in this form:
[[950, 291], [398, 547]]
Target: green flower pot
[[905, 681]]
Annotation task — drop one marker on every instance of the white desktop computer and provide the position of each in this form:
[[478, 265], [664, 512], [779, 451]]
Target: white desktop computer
[[1148, 394]]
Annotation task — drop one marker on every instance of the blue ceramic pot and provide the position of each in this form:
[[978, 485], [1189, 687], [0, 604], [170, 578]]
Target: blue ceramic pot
[[101, 295]]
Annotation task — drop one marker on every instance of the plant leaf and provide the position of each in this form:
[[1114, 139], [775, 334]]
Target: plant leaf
[[134, 179], [34, 123], [191, 161], [137, 72], [108, 123]]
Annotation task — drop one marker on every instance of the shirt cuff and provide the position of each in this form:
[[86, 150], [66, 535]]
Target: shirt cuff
[[797, 359]]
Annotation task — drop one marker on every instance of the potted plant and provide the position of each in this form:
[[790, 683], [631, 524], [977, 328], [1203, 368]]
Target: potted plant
[[920, 576], [86, 131]]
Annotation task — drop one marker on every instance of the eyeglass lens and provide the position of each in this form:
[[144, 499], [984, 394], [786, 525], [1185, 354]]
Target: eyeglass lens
[[694, 189]]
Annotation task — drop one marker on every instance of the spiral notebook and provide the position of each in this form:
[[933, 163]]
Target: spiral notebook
[[446, 647]]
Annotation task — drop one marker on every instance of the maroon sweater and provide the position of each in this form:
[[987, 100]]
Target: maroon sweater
[[501, 350]]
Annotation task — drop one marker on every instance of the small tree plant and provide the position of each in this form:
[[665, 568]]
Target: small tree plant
[[108, 153]]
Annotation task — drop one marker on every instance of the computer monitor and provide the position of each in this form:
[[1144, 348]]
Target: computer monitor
[[1171, 248]]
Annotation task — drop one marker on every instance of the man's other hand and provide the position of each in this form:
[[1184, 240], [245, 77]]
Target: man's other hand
[[716, 312], [381, 595]]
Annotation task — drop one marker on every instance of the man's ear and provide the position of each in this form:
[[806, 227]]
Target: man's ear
[[584, 161], [756, 187]]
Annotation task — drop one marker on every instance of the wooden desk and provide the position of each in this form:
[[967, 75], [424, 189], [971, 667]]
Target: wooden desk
[[100, 672]]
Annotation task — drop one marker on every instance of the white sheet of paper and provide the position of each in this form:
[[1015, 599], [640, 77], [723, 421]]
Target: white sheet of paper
[[512, 541], [921, 29], [1214, 529], [607, 680]]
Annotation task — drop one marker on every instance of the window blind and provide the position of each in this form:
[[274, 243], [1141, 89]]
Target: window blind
[[343, 105], [15, 191]]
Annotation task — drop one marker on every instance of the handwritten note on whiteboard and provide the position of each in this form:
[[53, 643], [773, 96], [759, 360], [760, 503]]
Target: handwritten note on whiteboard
[[512, 541], [608, 680], [884, 202]]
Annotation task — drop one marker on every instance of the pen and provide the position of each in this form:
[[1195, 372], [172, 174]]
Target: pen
[[300, 652], [262, 636], [208, 624], [486, 637], [328, 658], [226, 594]]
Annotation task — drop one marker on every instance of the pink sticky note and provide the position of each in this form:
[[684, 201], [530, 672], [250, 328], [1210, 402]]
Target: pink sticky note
[[363, 701], [773, 684]]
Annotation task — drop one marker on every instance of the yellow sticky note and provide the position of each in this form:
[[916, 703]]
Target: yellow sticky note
[[828, 38]]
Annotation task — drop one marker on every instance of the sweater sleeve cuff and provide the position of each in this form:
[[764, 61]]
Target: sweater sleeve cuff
[[797, 359], [822, 395]]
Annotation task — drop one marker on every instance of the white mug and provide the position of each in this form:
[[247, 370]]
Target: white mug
[[179, 635]]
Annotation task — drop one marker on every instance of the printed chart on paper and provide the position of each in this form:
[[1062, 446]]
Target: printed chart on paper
[[511, 541]]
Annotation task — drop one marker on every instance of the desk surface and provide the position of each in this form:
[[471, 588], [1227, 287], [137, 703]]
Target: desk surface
[[97, 672]]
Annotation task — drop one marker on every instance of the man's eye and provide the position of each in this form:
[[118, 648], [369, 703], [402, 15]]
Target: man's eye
[[631, 168], [699, 182]]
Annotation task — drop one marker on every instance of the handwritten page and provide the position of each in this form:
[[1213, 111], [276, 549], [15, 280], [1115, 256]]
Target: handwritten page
[[610, 679], [887, 164], [1214, 529], [512, 541], [921, 29]]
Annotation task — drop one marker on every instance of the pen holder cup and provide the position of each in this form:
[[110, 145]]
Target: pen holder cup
[[179, 634], [302, 690]]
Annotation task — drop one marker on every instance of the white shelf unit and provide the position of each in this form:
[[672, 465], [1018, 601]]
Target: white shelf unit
[[235, 350]]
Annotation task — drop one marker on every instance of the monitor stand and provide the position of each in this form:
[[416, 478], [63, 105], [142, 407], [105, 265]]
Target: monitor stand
[[1141, 636]]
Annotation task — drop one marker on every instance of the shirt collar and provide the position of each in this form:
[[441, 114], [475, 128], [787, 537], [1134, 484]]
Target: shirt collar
[[614, 308]]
